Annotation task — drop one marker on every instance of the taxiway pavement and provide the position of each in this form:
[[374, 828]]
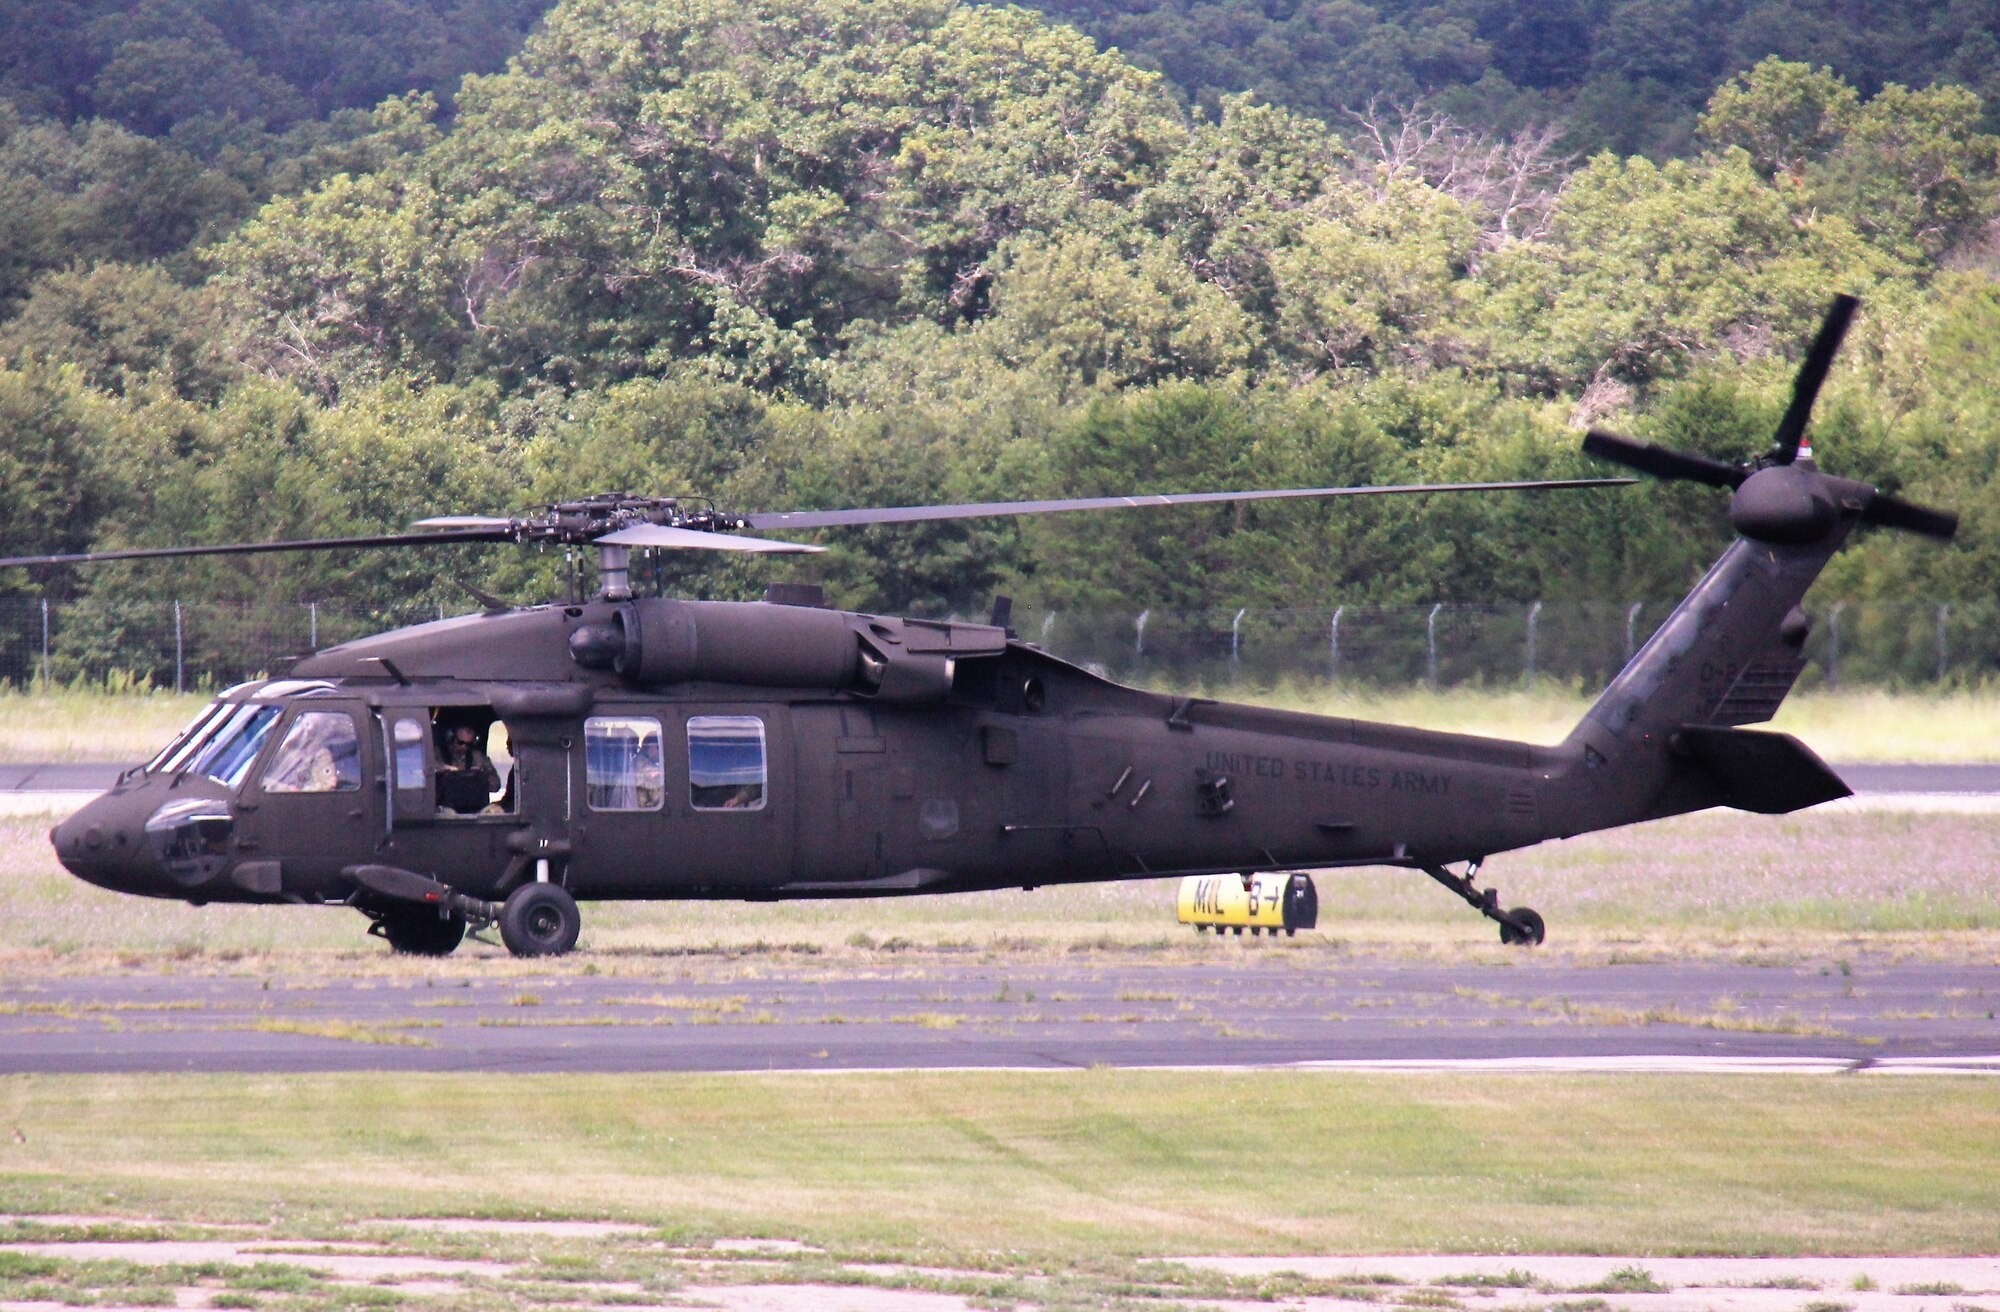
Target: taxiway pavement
[[942, 1011]]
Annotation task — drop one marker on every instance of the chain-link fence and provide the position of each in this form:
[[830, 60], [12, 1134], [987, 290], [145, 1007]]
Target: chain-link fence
[[185, 645], [206, 644], [1449, 644]]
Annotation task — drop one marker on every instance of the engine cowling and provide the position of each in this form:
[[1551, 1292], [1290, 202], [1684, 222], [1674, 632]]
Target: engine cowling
[[655, 641]]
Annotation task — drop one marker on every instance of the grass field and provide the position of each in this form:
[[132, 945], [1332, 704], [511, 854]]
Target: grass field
[[1050, 1168], [85, 725]]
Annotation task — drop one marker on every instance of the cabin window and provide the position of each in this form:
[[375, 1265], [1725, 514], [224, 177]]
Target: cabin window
[[726, 763], [622, 763], [410, 771], [321, 753]]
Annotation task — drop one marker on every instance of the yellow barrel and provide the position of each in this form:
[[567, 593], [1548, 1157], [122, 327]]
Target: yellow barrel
[[1260, 902]]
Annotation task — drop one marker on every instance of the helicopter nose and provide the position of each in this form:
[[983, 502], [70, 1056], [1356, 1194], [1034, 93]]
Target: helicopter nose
[[100, 845]]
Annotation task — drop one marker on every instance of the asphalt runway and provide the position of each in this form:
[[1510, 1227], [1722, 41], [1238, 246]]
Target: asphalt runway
[[947, 1012]]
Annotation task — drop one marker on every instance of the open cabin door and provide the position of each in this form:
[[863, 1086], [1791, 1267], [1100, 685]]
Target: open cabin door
[[442, 819]]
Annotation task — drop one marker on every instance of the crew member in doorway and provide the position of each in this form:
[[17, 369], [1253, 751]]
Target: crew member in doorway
[[467, 778]]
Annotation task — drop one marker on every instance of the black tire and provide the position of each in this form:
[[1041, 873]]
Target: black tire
[[1522, 928], [540, 920], [422, 932]]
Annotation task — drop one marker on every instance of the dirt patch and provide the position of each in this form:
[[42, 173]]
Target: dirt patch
[[762, 1246], [341, 1265], [820, 1298], [898, 1271], [1648, 1284], [544, 1229]]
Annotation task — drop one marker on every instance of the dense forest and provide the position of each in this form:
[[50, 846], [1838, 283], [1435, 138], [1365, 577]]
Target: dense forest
[[271, 268]]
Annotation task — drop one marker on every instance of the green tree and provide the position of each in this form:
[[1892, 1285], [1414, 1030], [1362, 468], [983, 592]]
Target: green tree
[[1648, 268], [1783, 115], [120, 324], [735, 182]]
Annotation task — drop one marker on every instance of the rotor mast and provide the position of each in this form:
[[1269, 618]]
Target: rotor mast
[[614, 572]]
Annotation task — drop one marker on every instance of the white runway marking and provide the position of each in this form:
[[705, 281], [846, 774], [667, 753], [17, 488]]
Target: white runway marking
[[1665, 1064]]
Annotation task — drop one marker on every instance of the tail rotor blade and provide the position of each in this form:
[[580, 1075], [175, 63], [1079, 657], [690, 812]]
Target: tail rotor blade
[[1661, 462], [1894, 512], [1812, 374]]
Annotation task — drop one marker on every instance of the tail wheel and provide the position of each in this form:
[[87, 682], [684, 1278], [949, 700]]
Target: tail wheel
[[540, 920], [420, 931], [1522, 928]]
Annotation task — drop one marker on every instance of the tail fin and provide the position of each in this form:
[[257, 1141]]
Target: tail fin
[[1661, 740]]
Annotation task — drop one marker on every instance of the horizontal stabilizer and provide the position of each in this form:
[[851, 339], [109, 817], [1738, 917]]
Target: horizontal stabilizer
[[1770, 773]]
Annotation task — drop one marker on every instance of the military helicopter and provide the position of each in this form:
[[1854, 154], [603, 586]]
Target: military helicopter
[[660, 748]]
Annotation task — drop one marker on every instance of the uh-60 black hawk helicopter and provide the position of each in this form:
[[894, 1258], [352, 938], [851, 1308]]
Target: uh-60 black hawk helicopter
[[692, 749]]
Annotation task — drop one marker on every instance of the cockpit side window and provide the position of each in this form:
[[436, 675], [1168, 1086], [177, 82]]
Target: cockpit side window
[[321, 753]]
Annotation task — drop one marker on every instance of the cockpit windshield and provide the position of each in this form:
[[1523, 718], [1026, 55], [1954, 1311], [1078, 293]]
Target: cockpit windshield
[[227, 750], [187, 739], [222, 740]]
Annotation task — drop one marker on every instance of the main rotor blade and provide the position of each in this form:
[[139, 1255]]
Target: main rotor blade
[[800, 519], [1812, 374], [1894, 512], [690, 539], [1660, 461], [257, 548], [463, 521]]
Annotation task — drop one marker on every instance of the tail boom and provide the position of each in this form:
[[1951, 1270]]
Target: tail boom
[[1658, 741]]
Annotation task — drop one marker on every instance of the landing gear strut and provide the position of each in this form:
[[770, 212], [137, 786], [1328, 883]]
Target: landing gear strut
[[420, 915], [1519, 927]]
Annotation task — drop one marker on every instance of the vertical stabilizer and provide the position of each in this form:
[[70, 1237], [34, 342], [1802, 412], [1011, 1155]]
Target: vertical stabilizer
[[1661, 739]]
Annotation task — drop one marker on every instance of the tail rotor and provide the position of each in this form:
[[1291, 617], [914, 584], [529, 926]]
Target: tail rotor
[[1781, 496]]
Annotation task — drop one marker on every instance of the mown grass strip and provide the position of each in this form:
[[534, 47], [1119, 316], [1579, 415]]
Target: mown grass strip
[[1056, 1165]]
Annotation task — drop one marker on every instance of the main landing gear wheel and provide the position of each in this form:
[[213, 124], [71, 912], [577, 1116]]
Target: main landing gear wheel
[[1521, 928], [419, 931], [540, 920]]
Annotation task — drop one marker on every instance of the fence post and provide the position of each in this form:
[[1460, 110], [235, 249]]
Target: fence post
[[1333, 667], [312, 643], [180, 653], [1139, 643], [1236, 637], [1943, 642], [45, 644], [1833, 644], [1631, 631], [1431, 647], [1534, 613]]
